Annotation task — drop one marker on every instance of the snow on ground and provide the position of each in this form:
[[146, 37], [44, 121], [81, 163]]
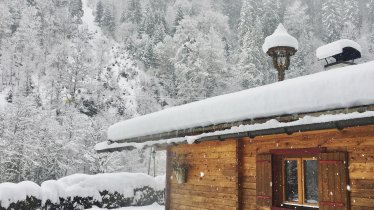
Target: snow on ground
[[336, 47], [238, 129], [154, 206], [339, 88], [280, 37], [11, 193]]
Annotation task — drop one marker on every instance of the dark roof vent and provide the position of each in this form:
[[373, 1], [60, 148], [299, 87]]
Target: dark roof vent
[[344, 52]]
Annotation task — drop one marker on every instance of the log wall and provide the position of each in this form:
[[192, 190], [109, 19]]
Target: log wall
[[212, 180], [229, 168]]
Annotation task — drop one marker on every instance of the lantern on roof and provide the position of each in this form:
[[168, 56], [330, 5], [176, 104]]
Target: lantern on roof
[[280, 46]]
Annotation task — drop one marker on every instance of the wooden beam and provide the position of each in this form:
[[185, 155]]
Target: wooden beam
[[304, 151]]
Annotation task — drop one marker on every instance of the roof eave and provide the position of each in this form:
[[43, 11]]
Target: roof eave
[[340, 124], [228, 125]]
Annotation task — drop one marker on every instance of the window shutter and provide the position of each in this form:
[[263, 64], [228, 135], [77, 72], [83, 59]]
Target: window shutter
[[263, 180], [333, 181]]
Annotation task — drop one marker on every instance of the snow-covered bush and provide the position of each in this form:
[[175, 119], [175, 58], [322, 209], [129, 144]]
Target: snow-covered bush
[[24, 195], [30, 203], [80, 191], [144, 196], [114, 200]]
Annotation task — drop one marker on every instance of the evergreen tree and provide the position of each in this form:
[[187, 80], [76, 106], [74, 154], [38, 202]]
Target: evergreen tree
[[270, 17], [246, 18], [108, 21], [296, 18], [99, 12], [5, 21], [231, 8], [76, 10], [351, 20], [297, 22], [149, 21], [123, 16], [370, 8], [371, 41], [135, 12], [178, 18], [351, 12], [199, 58], [251, 57], [159, 33], [332, 20], [148, 56], [27, 42]]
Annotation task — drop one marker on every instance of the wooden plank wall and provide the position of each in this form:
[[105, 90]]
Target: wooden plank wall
[[220, 161], [358, 142], [218, 187]]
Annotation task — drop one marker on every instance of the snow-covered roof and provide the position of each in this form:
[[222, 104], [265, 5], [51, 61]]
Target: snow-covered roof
[[339, 88], [237, 130], [280, 38], [335, 48]]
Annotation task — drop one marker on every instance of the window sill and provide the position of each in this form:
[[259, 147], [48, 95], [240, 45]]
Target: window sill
[[294, 207]]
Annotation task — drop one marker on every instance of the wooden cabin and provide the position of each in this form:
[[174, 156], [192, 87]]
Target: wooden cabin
[[304, 143]]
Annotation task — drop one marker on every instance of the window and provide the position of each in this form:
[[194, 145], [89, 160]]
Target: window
[[300, 181]]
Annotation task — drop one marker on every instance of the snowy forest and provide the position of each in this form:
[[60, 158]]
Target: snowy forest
[[71, 68]]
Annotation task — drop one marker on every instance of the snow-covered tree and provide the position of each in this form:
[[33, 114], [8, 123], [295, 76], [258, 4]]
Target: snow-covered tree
[[251, 57], [178, 17], [351, 20], [134, 12], [99, 12], [297, 22], [270, 17], [200, 57], [108, 22], [332, 20], [76, 10]]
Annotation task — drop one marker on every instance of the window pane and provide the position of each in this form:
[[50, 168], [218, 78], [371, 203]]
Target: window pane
[[291, 181], [311, 181]]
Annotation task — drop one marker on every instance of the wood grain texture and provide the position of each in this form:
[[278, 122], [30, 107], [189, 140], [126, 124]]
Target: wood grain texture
[[230, 175], [212, 179]]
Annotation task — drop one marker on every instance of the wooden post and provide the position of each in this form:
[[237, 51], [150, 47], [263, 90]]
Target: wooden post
[[239, 165], [168, 175]]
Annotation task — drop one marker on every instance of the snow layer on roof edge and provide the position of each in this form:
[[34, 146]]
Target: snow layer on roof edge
[[239, 129], [280, 37], [339, 88], [335, 48]]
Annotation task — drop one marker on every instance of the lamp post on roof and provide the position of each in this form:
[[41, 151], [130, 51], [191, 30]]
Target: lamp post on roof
[[154, 161], [280, 46]]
